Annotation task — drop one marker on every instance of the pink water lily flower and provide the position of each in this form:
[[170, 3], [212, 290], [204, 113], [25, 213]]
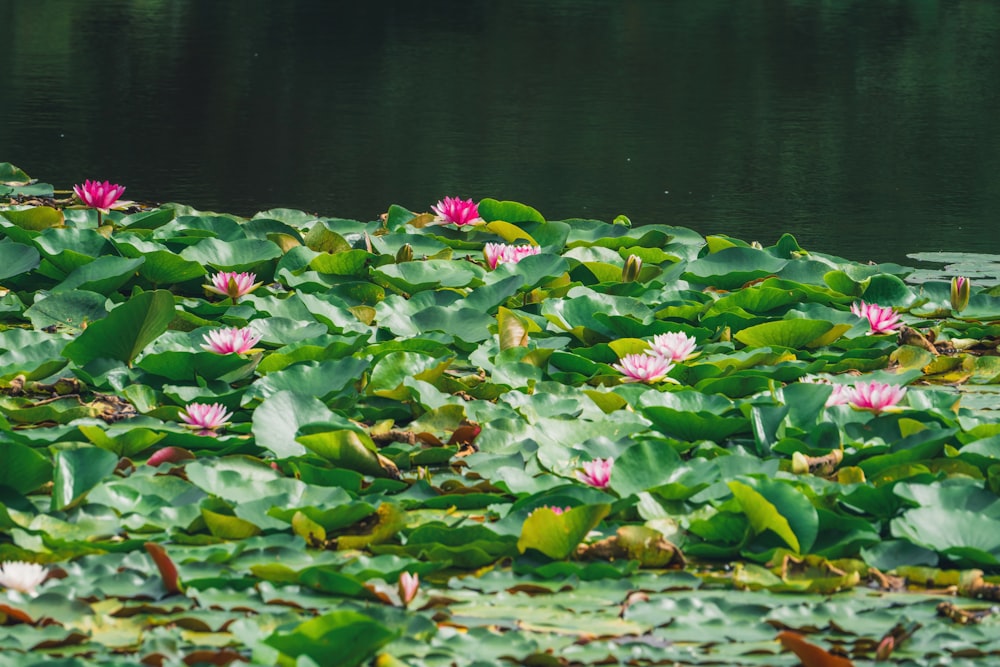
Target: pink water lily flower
[[205, 417], [231, 340], [597, 473], [101, 196], [458, 211], [232, 284], [409, 584], [643, 367], [882, 320], [502, 253], [22, 576], [674, 346], [841, 394], [876, 396]]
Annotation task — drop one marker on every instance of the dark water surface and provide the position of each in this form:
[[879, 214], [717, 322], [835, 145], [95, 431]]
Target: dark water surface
[[867, 128]]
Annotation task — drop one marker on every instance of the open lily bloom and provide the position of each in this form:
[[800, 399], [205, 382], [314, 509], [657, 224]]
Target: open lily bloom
[[882, 320], [643, 367], [876, 396], [231, 340], [232, 284], [21, 576], [597, 473], [502, 253], [205, 417], [101, 196], [674, 346], [457, 211]]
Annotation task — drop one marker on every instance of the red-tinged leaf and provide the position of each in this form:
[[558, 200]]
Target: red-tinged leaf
[[809, 654], [465, 434], [170, 455], [15, 613], [380, 592], [207, 656], [168, 571]]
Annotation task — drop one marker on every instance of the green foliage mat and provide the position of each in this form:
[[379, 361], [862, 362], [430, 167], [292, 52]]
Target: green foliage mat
[[407, 409]]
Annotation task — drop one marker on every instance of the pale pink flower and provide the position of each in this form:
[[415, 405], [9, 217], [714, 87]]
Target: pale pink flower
[[882, 320], [408, 586], [841, 394], [876, 396], [101, 196], [596, 473], [674, 346], [204, 417], [232, 284], [231, 340], [501, 253], [22, 576], [458, 211], [643, 367]]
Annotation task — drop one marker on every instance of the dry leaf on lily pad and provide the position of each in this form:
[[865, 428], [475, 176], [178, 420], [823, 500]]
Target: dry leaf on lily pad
[[810, 654]]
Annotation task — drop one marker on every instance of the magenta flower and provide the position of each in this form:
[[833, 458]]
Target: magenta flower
[[409, 584], [502, 253], [643, 367], [876, 396], [231, 340], [458, 211], [558, 510], [101, 196], [597, 473], [673, 346], [232, 284], [204, 417], [18, 575], [883, 320]]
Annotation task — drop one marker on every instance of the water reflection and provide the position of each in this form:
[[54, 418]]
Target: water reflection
[[866, 129]]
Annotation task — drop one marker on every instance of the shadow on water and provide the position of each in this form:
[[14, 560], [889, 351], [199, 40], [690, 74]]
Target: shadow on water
[[866, 129]]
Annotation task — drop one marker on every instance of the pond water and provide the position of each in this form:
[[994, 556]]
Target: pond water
[[867, 129]]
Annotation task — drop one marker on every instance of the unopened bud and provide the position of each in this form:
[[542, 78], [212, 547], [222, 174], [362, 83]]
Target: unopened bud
[[404, 254], [885, 648], [800, 466], [960, 287], [409, 584], [632, 267]]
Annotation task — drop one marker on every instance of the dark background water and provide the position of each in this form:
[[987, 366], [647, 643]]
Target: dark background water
[[868, 129]]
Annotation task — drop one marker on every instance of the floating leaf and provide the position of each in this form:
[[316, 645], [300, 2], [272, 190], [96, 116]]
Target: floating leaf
[[557, 535], [126, 330]]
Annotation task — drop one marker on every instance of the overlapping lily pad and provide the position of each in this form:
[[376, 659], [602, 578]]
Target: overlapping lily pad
[[408, 410]]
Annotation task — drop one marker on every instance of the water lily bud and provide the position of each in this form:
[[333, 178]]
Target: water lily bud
[[409, 584], [800, 466], [404, 254], [960, 287], [885, 648], [632, 267]]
